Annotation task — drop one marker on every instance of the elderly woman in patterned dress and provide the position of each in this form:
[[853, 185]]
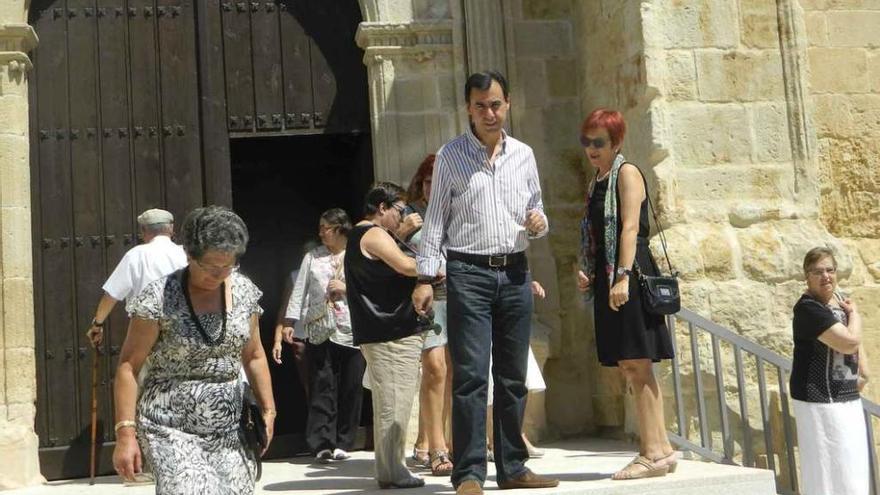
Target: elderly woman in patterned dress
[[198, 327]]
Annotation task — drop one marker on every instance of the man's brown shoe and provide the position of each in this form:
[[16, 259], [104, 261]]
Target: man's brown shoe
[[528, 480], [469, 487]]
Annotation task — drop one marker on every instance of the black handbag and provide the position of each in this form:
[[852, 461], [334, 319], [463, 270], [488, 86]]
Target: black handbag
[[252, 426], [659, 293]]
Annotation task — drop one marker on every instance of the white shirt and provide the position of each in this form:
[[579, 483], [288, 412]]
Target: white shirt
[[143, 264], [477, 207]]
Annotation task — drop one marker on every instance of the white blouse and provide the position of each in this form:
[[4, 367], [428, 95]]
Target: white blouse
[[319, 267]]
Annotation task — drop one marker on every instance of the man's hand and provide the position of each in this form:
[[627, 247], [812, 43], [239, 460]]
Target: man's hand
[[95, 334], [535, 222], [583, 281], [538, 290], [409, 224], [423, 298]]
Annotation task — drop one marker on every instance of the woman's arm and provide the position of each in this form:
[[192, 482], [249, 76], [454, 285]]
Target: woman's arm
[[845, 339], [632, 193], [281, 322], [256, 367], [379, 244], [139, 341]]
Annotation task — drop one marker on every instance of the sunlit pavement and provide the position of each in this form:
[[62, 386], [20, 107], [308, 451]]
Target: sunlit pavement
[[583, 467]]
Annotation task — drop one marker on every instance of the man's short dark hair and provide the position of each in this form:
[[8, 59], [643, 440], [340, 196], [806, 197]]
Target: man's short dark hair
[[482, 81]]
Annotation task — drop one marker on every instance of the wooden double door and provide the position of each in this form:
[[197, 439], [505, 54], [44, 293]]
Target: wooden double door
[[134, 104]]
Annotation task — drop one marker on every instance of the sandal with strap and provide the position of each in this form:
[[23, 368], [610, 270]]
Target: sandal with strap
[[640, 467], [441, 465], [419, 458], [670, 461]]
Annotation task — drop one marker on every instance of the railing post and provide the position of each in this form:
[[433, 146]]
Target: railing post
[[872, 455], [765, 415], [748, 457], [705, 437], [726, 436], [786, 425], [676, 378]]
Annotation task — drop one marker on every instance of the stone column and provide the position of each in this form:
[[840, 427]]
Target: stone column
[[411, 67], [484, 25], [19, 465]]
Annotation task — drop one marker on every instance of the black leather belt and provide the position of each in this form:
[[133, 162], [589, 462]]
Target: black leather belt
[[496, 261]]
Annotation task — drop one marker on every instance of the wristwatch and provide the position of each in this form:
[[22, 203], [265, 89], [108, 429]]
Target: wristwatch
[[621, 271], [95, 323]]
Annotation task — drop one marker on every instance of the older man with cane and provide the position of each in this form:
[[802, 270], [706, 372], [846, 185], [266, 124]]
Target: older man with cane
[[142, 264]]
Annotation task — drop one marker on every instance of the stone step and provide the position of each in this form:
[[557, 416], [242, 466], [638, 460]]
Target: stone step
[[583, 466]]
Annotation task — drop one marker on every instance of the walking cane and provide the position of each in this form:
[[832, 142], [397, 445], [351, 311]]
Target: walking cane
[[95, 363]]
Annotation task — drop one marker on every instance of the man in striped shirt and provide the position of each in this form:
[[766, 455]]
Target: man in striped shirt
[[485, 205]]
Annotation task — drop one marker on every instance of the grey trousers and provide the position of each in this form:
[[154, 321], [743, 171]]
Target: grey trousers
[[393, 369]]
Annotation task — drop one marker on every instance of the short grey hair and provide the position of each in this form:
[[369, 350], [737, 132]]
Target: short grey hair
[[158, 229], [214, 228]]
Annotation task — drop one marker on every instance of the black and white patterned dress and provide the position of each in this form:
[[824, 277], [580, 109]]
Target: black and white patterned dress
[[190, 402]]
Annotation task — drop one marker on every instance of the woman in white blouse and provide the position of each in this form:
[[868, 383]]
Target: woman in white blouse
[[336, 365]]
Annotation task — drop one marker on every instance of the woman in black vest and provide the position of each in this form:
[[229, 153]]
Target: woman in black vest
[[380, 279]]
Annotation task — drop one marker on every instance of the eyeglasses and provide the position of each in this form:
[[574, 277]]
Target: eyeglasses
[[400, 209], [217, 270], [597, 143], [818, 272]]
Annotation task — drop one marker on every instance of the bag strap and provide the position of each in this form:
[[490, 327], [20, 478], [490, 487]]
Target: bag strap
[[657, 222]]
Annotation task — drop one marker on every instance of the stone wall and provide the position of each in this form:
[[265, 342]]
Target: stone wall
[[844, 86], [19, 465], [542, 59]]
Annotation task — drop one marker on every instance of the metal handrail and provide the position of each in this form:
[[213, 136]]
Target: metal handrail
[[786, 481]]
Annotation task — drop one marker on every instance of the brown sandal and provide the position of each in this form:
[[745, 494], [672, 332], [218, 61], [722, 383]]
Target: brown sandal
[[441, 465], [640, 467], [419, 458]]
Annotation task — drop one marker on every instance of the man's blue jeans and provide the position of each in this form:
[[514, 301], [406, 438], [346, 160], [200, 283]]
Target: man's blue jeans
[[488, 310]]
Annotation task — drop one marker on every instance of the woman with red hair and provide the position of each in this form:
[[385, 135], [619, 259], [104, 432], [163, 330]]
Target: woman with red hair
[[430, 450], [614, 249]]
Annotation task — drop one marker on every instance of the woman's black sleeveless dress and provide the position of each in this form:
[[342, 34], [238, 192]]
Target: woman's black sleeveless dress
[[629, 333]]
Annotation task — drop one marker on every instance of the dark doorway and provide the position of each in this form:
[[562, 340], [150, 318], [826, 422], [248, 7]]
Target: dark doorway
[[137, 104], [280, 186]]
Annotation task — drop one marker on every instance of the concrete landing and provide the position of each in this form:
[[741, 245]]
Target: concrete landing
[[583, 467]]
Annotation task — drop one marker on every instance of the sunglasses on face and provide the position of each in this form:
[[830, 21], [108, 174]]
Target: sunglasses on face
[[400, 209], [597, 143]]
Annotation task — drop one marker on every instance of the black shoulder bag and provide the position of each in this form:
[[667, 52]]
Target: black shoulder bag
[[252, 426], [251, 423], [659, 293]]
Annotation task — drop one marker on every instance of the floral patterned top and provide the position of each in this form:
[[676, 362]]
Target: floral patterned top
[[190, 403]]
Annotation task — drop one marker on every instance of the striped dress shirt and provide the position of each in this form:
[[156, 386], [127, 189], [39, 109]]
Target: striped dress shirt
[[477, 207]]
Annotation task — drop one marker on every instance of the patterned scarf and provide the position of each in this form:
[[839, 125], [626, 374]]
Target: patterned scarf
[[588, 237]]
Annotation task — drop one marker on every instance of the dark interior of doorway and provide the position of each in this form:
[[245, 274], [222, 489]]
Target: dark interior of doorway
[[280, 187]]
